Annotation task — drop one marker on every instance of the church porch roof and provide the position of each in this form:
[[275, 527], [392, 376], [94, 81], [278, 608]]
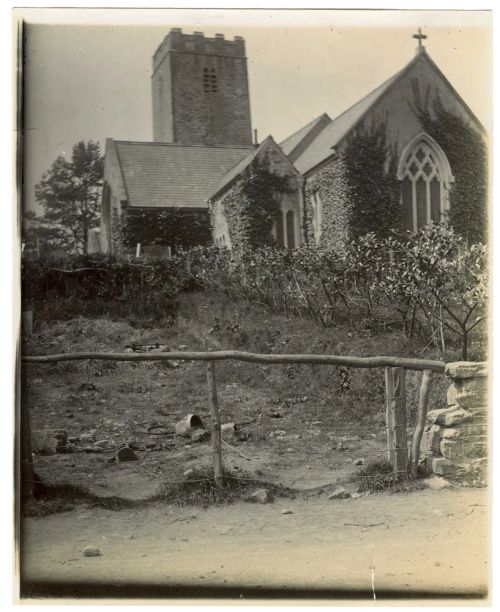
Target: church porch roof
[[234, 172]]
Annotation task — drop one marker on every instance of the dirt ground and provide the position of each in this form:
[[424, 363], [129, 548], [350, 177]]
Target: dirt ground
[[301, 426], [283, 437], [421, 544]]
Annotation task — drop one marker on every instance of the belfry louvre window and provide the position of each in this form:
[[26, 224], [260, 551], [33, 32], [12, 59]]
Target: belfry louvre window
[[209, 80], [425, 176]]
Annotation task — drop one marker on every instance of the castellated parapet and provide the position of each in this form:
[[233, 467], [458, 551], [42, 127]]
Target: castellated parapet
[[197, 42]]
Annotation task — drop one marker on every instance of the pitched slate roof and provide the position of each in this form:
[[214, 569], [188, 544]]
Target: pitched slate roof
[[322, 146], [293, 143], [238, 168], [171, 175]]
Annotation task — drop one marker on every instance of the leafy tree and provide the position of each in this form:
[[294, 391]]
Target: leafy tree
[[40, 236], [450, 280], [434, 271], [69, 193]]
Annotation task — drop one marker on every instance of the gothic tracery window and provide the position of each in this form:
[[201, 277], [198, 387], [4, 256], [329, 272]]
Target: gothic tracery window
[[425, 177]]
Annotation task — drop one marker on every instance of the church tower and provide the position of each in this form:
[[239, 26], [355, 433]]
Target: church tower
[[200, 90]]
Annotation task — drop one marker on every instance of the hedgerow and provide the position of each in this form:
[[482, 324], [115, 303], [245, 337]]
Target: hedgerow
[[95, 285], [430, 284]]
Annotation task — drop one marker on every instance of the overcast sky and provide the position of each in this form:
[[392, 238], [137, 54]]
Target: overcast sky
[[89, 78]]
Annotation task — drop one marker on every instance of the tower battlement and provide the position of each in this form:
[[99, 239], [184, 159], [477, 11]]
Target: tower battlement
[[178, 42]]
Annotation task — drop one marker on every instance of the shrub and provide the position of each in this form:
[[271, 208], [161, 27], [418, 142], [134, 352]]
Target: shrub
[[431, 284], [97, 285]]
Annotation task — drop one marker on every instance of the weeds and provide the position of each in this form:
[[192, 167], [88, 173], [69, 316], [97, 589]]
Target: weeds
[[54, 498], [378, 476], [200, 489]]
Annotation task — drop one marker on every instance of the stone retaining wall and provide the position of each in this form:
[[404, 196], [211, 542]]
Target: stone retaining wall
[[455, 440]]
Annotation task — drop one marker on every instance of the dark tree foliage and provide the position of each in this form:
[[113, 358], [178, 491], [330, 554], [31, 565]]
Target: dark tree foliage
[[262, 190], [372, 187], [467, 155], [69, 193], [175, 227], [40, 237]]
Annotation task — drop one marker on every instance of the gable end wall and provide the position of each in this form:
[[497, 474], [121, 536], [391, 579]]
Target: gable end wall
[[114, 179], [394, 105], [402, 127]]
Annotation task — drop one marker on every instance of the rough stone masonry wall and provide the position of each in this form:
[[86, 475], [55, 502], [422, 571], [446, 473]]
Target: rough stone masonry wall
[[455, 441], [331, 181]]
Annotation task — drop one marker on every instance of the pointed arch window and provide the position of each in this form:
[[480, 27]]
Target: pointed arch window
[[290, 229], [426, 178], [285, 228], [317, 219], [279, 234]]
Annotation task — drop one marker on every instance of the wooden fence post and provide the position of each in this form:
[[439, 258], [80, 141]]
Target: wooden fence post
[[27, 322], [389, 393], [423, 404], [396, 420], [215, 431], [26, 473]]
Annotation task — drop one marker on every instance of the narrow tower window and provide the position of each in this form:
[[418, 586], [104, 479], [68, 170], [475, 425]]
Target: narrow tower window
[[209, 80]]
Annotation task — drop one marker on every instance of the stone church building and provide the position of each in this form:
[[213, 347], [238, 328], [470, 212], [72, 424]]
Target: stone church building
[[188, 186]]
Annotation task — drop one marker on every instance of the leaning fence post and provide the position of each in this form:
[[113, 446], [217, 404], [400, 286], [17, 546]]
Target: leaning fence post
[[24, 429], [423, 404], [215, 431], [389, 393], [396, 420]]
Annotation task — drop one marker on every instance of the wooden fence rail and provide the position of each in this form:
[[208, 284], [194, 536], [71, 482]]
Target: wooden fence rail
[[335, 360], [395, 368]]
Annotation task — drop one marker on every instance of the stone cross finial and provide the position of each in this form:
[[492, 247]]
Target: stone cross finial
[[420, 37]]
